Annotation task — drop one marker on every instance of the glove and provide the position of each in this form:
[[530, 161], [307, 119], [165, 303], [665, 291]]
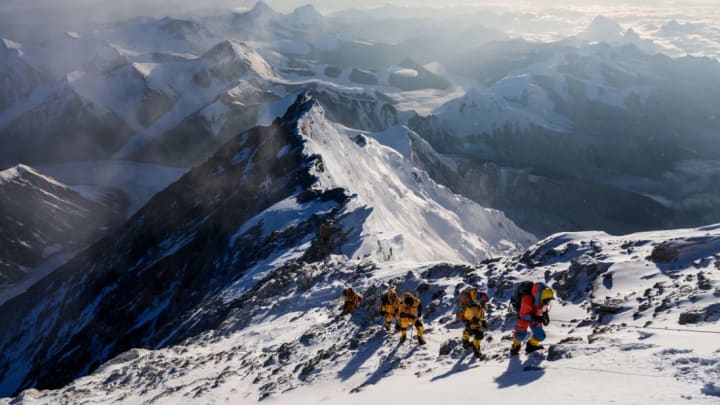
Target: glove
[[538, 319], [484, 324], [546, 318]]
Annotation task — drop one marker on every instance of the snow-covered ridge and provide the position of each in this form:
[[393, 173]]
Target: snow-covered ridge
[[229, 50], [411, 217], [23, 170], [8, 47]]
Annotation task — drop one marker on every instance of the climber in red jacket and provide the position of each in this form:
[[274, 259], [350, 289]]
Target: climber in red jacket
[[533, 313]]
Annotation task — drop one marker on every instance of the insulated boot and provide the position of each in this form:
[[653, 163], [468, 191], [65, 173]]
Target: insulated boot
[[476, 348], [531, 346], [387, 326], [421, 340], [515, 348], [403, 338], [466, 344]]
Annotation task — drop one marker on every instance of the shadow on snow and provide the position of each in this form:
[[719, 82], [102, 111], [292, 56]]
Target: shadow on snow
[[520, 373]]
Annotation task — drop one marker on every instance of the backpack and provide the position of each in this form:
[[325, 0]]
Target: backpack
[[465, 299], [522, 289]]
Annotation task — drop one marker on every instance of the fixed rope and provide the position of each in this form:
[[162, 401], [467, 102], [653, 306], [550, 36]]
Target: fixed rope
[[654, 328]]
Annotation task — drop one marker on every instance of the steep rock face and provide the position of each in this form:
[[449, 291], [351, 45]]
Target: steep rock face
[[41, 217]]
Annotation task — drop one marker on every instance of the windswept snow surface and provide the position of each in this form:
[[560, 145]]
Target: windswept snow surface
[[615, 335], [410, 217]]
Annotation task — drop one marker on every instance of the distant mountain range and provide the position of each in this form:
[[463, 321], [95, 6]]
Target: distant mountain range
[[593, 112]]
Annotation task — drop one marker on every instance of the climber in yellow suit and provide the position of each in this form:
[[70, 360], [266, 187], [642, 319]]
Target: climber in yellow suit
[[409, 313], [389, 308], [474, 326]]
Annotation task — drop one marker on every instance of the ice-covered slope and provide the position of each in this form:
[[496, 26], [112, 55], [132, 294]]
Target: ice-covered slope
[[183, 263], [635, 321]]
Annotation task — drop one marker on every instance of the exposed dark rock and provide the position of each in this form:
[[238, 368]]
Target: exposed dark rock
[[609, 307], [448, 346], [690, 317], [664, 253], [703, 282], [563, 349], [577, 280]]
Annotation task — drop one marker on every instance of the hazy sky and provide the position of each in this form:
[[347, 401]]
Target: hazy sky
[[144, 6], [549, 19]]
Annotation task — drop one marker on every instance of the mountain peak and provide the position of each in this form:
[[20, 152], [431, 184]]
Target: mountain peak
[[227, 49], [239, 56], [307, 10], [261, 9], [303, 104], [307, 15], [602, 29], [8, 47], [632, 35], [24, 171]]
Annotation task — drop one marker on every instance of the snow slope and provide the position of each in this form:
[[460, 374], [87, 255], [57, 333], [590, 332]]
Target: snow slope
[[412, 217], [615, 334]]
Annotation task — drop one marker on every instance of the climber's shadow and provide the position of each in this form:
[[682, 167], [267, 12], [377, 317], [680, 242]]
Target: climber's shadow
[[459, 366], [520, 373]]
